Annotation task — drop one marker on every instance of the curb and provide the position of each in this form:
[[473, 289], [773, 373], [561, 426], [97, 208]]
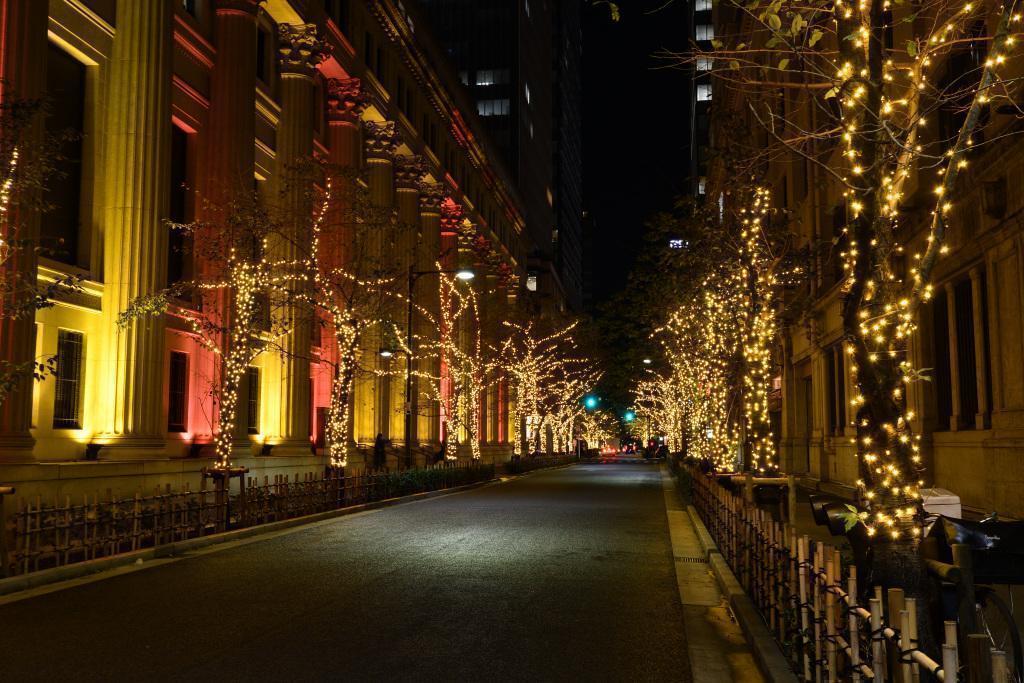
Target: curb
[[15, 584], [770, 660]]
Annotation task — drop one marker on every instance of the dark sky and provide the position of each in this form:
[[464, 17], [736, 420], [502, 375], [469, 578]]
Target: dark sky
[[635, 128]]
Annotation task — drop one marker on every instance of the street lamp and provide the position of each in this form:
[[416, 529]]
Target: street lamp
[[647, 361], [464, 274], [386, 353]]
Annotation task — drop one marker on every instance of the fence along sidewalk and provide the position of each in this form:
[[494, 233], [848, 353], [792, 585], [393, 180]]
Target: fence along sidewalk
[[807, 594], [40, 535]]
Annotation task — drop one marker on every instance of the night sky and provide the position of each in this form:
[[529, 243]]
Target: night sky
[[635, 127]]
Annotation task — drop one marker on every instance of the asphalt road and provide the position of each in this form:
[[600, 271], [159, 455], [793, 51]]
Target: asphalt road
[[559, 575]]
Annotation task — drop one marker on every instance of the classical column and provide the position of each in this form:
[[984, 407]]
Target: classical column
[[299, 52], [136, 182], [409, 172], [494, 318], [980, 359], [427, 297], [345, 101], [229, 160], [231, 130], [954, 358], [24, 24], [373, 388]]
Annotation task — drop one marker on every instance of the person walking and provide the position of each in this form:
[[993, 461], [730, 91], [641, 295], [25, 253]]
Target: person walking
[[379, 458]]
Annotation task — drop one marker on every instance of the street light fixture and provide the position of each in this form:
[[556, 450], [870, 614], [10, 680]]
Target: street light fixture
[[464, 274], [386, 353], [647, 361]]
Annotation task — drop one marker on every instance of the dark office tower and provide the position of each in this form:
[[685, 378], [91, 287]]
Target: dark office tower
[[520, 62]]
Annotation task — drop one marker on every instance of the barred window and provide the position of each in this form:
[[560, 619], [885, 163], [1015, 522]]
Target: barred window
[[177, 399], [252, 413], [67, 407]]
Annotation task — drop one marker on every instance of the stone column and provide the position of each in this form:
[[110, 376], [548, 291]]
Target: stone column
[[954, 360], [346, 100], [373, 390], [231, 130], [136, 182], [409, 172], [229, 161], [299, 52], [24, 25], [427, 297], [980, 359]]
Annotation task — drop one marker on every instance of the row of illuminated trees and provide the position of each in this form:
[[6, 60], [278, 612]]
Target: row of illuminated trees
[[267, 276], [887, 103]]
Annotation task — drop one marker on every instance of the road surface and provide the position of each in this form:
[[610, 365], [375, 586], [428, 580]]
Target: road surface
[[564, 574]]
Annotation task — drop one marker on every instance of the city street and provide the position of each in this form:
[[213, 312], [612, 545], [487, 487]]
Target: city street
[[561, 574]]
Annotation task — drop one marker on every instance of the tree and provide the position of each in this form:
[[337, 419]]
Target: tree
[[28, 159], [353, 287], [871, 96]]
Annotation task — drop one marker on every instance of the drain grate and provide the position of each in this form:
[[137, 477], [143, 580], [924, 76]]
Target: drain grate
[[692, 560]]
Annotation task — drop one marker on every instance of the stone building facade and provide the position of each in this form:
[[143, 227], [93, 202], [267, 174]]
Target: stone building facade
[[222, 96]]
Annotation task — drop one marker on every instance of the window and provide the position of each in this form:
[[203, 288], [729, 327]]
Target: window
[[531, 283], [264, 55], [492, 107], [177, 393], [702, 186], [965, 357], [940, 347], [835, 366], [67, 404], [338, 11], [704, 32], [252, 408], [65, 89], [176, 246], [703, 92], [702, 6], [189, 6], [464, 77], [526, 7], [526, 92], [704, 63], [485, 77]]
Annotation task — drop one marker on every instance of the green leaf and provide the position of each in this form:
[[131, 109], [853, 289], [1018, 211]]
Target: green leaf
[[774, 22], [734, 65], [717, 44], [831, 93], [783, 63], [797, 25], [816, 35], [912, 48]]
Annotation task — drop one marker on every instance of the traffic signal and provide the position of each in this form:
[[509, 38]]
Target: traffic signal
[[629, 416]]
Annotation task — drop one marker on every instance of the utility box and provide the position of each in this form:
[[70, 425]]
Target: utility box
[[941, 502]]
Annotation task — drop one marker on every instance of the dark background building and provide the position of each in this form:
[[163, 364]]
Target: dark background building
[[520, 61]]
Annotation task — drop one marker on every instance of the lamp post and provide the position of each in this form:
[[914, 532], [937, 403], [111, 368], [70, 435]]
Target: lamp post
[[464, 274]]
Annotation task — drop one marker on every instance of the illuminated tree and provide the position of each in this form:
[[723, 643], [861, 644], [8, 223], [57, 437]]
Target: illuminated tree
[[28, 159], [353, 287], [466, 367], [876, 76], [236, 306]]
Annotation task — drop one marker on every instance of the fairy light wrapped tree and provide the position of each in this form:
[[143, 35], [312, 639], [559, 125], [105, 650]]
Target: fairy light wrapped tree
[[873, 72]]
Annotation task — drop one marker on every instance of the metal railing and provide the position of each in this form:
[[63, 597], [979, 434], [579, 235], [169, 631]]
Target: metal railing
[[807, 594], [40, 534]]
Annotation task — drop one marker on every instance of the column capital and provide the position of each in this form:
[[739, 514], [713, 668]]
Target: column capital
[[245, 7], [346, 100], [431, 195], [409, 171], [451, 217], [299, 49], [381, 139]]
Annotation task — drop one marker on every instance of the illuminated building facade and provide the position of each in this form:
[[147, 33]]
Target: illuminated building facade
[[181, 103]]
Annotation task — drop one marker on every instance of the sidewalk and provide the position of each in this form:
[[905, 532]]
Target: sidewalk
[[716, 645]]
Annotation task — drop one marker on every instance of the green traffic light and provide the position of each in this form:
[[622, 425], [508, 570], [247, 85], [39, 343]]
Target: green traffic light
[[630, 416]]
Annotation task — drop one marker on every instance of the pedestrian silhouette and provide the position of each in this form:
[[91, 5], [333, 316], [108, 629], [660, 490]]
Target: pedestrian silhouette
[[378, 452]]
